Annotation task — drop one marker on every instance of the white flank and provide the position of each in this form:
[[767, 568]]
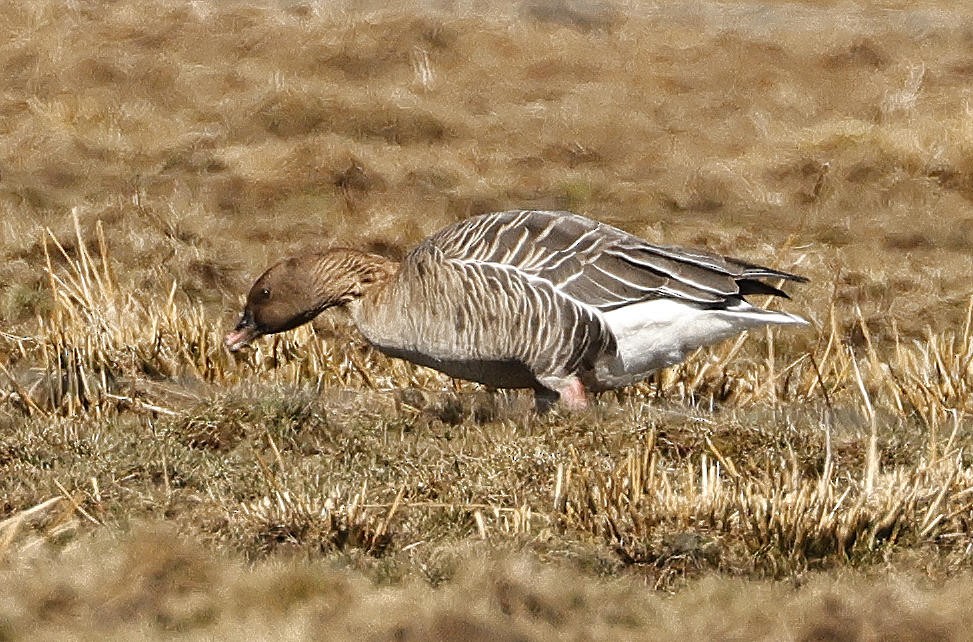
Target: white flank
[[655, 334]]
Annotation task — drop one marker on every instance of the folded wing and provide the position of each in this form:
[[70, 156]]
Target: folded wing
[[600, 266]]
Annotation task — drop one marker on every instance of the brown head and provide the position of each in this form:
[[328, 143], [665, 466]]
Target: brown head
[[297, 289]]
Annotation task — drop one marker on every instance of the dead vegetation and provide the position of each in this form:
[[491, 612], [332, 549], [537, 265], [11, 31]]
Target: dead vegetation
[[157, 155]]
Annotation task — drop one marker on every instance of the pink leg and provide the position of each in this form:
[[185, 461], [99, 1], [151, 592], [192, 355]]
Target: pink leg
[[572, 394]]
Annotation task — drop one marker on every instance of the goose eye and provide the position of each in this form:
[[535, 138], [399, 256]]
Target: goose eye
[[265, 293]]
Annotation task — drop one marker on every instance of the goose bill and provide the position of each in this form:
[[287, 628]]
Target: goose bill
[[241, 336]]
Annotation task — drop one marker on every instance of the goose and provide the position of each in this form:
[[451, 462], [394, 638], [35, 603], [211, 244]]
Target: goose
[[550, 301]]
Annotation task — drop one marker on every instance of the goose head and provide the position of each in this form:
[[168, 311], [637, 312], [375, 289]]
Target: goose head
[[297, 289]]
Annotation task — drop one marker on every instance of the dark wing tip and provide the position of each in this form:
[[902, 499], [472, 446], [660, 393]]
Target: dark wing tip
[[753, 286], [750, 282]]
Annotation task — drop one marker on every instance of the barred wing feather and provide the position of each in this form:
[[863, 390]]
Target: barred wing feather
[[600, 266]]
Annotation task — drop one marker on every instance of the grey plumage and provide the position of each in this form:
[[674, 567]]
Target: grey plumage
[[541, 300]]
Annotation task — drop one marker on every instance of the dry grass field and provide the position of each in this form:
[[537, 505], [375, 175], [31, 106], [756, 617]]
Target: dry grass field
[[156, 155]]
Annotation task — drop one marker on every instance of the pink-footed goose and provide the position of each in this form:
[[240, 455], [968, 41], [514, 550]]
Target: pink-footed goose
[[551, 301]]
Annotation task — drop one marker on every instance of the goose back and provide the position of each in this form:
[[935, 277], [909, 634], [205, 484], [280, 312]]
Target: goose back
[[599, 265]]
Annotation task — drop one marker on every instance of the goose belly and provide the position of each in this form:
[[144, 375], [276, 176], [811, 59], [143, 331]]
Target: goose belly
[[461, 353], [659, 333], [496, 373]]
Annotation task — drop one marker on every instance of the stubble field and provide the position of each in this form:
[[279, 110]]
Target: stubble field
[[801, 484]]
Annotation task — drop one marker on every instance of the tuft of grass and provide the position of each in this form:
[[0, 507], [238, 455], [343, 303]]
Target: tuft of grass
[[323, 524]]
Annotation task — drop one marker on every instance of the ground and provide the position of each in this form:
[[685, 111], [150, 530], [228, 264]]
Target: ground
[[796, 484]]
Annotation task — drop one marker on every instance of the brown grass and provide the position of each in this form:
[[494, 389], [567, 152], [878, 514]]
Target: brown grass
[[793, 484]]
